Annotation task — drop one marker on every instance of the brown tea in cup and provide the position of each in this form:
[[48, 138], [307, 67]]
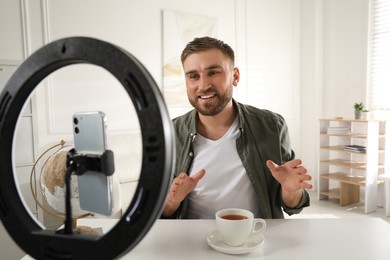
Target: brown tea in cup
[[234, 217]]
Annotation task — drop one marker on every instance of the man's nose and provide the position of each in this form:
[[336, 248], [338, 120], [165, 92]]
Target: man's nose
[[204, 83]]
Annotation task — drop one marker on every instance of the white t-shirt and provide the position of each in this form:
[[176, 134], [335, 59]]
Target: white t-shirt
[[225, 184]]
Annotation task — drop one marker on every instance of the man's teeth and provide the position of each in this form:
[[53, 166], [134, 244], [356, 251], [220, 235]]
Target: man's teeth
[[209, 96]]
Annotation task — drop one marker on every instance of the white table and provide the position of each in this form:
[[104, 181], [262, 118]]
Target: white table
[[354, 239]]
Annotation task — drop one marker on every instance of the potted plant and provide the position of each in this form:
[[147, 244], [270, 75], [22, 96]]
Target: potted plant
[[359, 107], [366, 114]]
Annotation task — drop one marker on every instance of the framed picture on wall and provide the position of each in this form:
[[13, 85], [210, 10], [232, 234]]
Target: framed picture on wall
[[179, 28]]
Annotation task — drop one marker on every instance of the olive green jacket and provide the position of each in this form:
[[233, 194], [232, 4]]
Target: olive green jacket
[[264, 136]]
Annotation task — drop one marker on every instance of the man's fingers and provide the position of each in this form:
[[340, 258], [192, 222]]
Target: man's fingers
[[182, 175], [304, 181], [294, 163], [305, 177], [271, 165], [306, 185], [199, 175], [300, 170]]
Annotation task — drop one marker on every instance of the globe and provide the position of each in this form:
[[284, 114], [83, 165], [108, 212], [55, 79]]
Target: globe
[[53, 184]]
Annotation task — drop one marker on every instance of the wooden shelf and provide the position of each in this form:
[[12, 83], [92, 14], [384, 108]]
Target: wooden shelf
[[347, 135], [334, 193], [348, 120], [347, 194], [340, 148], [361, 136], [347, 178], [349, 164], [346, 163]]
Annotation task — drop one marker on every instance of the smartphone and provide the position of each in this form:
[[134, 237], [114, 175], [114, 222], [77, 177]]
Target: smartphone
[[90, 138]]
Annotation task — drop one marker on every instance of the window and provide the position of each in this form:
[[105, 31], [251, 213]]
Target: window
[[379, 55]]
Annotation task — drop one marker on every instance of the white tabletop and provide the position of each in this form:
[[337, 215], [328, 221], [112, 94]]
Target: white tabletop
[[355, 239]]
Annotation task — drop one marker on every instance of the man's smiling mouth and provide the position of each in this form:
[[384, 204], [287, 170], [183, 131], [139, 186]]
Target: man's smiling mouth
[[206, 96]]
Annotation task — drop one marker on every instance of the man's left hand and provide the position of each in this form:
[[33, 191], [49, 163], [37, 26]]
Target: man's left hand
[[293, 177]]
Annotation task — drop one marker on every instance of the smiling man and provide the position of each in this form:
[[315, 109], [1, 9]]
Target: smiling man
[[230, 155]]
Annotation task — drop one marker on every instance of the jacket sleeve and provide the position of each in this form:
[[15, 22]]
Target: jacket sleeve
[[184, 157], [305, 202], [288, 155]]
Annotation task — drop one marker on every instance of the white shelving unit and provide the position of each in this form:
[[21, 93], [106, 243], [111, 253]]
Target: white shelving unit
[[344, 173]]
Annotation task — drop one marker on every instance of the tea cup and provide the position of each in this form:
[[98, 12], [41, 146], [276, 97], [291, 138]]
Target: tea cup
[[236, 225]]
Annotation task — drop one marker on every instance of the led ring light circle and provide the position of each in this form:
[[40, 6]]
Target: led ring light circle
[[157, 161]]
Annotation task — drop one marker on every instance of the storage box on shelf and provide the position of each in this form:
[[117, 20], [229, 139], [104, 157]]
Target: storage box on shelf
[[352, 154]]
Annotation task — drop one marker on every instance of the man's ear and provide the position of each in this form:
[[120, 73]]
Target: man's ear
[[236, 76]]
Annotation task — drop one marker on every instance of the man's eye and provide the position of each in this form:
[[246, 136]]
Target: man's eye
[[213, 72], [194, 76]]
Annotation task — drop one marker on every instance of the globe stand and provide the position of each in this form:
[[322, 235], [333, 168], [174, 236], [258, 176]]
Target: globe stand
[[83, 229], [58, 160]]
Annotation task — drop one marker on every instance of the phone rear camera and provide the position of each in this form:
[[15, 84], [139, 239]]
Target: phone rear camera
[[76, 130], [75, 120]]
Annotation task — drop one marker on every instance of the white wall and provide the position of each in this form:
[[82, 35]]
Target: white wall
[[273, 60], [311, 53], [345, 56]]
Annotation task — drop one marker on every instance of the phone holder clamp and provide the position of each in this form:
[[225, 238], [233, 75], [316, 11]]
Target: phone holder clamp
[[100, 163]]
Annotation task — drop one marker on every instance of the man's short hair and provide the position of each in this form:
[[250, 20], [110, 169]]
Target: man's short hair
[[204, 44]]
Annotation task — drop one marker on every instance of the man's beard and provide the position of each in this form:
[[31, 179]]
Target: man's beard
[[213, 108]]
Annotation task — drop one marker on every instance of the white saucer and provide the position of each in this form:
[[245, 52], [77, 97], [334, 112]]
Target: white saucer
[[214, 240]]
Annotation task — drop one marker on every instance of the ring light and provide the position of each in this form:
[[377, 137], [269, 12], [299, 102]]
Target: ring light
[[157, 142]]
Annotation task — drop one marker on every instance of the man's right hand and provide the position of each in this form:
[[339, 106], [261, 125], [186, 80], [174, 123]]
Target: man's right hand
[[181, 186]]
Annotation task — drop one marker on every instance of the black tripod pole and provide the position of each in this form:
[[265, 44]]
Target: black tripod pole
[[68, 192]]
